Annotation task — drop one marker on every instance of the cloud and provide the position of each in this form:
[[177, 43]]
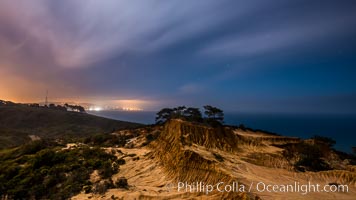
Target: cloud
[[280, 35], [52, 41], [78, 34], [166, 50], [74, 34], [81, 33]]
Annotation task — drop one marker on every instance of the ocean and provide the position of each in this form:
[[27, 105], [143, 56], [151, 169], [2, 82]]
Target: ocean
[[341, 128]]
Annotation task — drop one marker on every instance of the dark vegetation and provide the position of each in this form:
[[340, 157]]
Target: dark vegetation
[[309, 157], [42, 170], [213, 116], [313, 154], [65, 107], [121, 183], [18, 121]]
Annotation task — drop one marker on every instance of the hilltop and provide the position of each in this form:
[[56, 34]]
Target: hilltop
[[21, 123]]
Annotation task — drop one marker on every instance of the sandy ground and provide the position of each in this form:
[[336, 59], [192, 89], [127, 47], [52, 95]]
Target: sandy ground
[[147, 179]]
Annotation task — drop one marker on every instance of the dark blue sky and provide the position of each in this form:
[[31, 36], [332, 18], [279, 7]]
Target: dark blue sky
[[247, 56]]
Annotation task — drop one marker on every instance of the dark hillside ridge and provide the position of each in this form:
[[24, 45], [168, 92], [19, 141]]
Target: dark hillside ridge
[[18, 122]]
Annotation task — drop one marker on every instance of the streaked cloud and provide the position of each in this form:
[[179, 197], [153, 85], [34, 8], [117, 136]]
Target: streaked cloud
[[159, 50], [281, 35]]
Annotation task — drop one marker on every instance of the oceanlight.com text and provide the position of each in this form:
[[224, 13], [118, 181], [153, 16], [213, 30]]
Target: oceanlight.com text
[[295, 187], [300, 188]]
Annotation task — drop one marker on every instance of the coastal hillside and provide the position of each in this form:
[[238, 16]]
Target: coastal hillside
[[155, 164], [58, 154], [21, 123]]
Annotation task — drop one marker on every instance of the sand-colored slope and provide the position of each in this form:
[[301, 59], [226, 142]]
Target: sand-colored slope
[[147, 180]]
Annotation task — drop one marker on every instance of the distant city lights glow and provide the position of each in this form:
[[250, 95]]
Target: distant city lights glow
[[95, 109], [131, 109]]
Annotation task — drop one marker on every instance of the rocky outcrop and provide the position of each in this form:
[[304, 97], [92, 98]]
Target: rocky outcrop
[[182, 163], [187, 133]]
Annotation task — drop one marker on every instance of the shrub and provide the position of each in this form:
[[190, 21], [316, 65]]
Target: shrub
[[87, 188], [33, 147], [102, 186], [107, 170], [41, 174], [121, 161], [121, 183], [306, 156]]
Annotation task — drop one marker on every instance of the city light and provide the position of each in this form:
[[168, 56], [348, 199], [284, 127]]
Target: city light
[[131, 109], [95, 108]]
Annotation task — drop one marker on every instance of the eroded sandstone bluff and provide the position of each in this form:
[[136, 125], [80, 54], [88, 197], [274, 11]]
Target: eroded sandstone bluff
[[192, 153], [181, 151], [179, 148]]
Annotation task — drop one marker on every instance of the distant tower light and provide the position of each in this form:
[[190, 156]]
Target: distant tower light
[[46, 100]]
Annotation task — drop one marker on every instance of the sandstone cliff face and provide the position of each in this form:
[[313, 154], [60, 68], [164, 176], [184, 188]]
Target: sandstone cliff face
[[186, 133], [177, 148]]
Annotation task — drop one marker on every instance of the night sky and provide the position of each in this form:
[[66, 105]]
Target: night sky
[[247, 56]]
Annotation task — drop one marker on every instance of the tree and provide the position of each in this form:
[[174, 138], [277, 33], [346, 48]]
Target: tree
[[59, 107], [34, 105], [178, 112], [75, 108], [80, 109], [193, 114], [214, 114], [164, 115]]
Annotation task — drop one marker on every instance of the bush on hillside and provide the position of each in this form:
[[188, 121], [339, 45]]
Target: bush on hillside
[[51, 173], [306, 157]]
